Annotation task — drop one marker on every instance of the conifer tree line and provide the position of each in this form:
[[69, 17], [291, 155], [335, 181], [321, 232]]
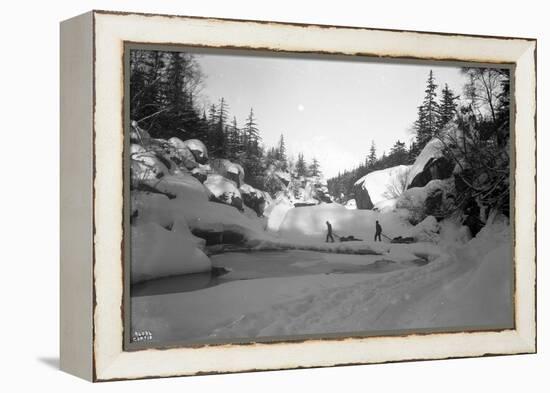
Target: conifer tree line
[[165, 101], [482, 115]]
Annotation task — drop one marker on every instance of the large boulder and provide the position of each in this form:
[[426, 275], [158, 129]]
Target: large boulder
[[283, 176], [436, 199], [229, 170], [362, 197], [198, 149], [146, 165], [254, 198], [224, 191], [181, 154], [431, 164]]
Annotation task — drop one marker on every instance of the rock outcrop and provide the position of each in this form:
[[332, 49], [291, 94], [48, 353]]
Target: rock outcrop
[[431, 164], [362, 197]]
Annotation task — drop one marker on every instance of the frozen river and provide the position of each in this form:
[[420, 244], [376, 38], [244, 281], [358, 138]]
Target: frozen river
[[196, 306], [235, 266]]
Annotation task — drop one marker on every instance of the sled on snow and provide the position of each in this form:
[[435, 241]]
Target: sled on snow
[[403, 240], [349, 238]]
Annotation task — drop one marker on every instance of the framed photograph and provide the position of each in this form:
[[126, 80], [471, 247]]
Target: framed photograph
[[248, 195]]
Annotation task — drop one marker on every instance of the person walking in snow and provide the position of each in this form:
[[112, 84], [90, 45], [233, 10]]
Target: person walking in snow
[[378, 234], [329, 233]]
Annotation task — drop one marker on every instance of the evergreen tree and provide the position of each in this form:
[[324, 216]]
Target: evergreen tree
[[234, 147], [315, 168], [251, 134], [281, 153], [371, 158], [301, 168], [427, 122], [398, 154], [447, 106], [219, 145]]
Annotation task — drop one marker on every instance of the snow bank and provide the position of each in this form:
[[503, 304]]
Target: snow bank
[[310, 222], [384, 184], [351, 204], [467, 286], [276, 212], [183, 185], [190, 201], [480, 291], [158, 252]]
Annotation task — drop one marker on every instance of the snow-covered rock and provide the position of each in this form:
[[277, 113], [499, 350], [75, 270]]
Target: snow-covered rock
[[283, 176], [379, 186], [256, 199], [229, 170], [158, 252], [146, 165], [224, 190], [425, 231], [430, 164], [198, 149], [435, 198], [182, 153], [182, 185]]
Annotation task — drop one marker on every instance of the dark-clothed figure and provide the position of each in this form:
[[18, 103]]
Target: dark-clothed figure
[[329, 233], [378, 234]]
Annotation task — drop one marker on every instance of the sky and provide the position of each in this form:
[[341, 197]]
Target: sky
[[327, 108]]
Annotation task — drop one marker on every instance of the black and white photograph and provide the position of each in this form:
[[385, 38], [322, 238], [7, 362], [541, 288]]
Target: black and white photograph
[[274, 196]]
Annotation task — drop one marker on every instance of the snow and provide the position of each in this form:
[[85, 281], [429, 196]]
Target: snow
[[198, 149], [276, 212], [222, 188], [146, 165], [309, 223], [414, 199], [183, 151], [229, 169], [290, 281], [351, 204], [427, 230], [433, 149], [158, 252], [304, 292], [191, 202], [183, 186], [379, 184]]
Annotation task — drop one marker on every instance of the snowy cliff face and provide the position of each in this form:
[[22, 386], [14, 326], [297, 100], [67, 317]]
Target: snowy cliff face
[[380, 186]]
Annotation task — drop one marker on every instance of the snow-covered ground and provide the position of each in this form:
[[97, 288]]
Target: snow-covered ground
[[416, 286]]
